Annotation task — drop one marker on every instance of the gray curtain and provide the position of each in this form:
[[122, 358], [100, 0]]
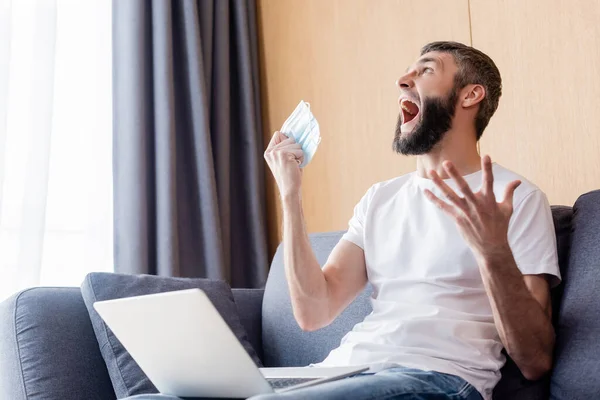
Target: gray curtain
[[188, 169]]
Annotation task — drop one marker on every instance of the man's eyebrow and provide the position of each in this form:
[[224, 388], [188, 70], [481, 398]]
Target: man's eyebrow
[[425, 60]]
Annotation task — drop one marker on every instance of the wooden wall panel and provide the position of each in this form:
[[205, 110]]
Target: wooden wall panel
[[547, 127], [343, 56]]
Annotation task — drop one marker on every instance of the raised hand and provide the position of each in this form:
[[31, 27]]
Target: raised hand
[[482, 221]]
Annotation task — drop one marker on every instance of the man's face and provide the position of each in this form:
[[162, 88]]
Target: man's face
[[427, 103]]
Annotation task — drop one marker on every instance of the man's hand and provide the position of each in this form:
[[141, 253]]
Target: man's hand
[[284, 155], [483, 222]]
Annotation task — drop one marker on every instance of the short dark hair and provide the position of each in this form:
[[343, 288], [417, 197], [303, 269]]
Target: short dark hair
[[474, 67]]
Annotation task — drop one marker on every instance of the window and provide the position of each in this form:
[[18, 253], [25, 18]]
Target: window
[[55, 142]]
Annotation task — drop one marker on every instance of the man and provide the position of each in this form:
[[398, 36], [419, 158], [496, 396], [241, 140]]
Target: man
[[460, 260]]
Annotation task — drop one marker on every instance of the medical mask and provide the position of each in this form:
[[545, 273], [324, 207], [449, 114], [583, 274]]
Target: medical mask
[[304, 128]]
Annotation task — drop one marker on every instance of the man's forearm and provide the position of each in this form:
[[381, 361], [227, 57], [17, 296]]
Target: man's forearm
[[524, 326], [307, 284]]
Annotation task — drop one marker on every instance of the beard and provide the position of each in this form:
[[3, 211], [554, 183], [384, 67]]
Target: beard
[[436, 120]]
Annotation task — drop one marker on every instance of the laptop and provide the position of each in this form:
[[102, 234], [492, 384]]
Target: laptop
[[181, 342]]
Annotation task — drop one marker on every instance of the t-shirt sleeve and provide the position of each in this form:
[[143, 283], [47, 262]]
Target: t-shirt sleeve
[[356, 225], [532, 237]]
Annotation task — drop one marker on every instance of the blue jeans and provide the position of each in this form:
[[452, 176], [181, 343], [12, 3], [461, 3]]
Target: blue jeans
[[390, 384], [394, 383]]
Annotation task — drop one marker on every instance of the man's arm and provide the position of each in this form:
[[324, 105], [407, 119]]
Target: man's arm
[[318, 296], [520, 304], [522, 313]]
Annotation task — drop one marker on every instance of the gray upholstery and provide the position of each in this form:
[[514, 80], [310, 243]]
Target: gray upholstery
[[48, 350], [284, 343], [154, 396], [249, 305], [126, 376], [563, 217], [576, 373]]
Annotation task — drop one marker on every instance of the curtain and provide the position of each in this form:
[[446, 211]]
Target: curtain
[[55, 142], [188, 169]]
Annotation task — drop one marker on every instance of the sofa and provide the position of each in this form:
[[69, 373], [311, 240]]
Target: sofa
[[48, 349]]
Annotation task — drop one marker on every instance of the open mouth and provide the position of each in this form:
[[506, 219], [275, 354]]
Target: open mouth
[[409, 110]]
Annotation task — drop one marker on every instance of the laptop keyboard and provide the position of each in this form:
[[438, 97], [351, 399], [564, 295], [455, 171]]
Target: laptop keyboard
[[281, 383]]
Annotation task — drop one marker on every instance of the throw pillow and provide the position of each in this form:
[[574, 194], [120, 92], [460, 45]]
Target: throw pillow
[[126, 376]]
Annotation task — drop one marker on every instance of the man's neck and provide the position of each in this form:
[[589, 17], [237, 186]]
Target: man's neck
[[461, 150]]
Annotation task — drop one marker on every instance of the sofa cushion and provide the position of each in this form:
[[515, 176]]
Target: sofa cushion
[[577, 354], [249, 305], [126, 376]]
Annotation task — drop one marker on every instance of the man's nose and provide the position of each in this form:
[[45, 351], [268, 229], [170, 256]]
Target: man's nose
[[406, 81]]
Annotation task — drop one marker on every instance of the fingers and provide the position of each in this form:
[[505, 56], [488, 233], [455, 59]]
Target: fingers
[[460, 181], [510, 191], [488, 177], [285, 145], [280, 142], [276, 139], [287, 150], [447, 190], [294, 148], [442, 205], [297, 153]]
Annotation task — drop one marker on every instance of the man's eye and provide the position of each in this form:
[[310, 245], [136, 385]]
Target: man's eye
[[427, 69]]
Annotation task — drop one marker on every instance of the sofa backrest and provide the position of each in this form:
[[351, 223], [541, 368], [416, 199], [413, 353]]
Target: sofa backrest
[[576, 373], [285, 344]]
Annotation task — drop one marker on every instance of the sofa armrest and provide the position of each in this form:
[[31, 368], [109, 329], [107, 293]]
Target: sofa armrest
[[249, 305], [48, 348]]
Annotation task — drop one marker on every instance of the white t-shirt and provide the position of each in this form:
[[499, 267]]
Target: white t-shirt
[[430, 308]]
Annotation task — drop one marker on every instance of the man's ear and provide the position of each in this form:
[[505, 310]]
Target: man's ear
[[472, 95]]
